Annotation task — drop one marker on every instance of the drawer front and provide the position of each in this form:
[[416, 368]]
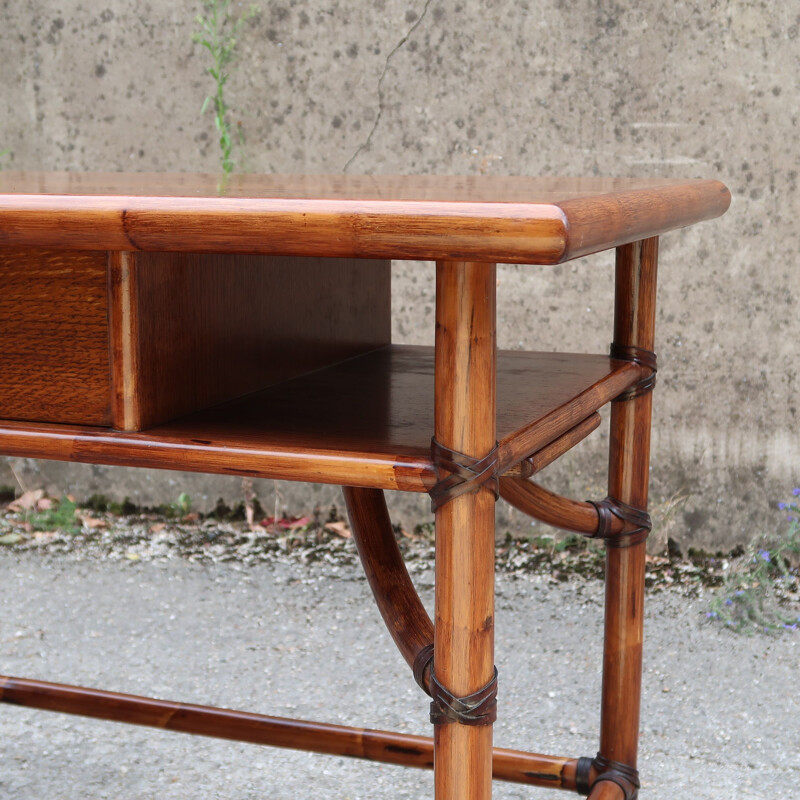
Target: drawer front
[[54, 339]]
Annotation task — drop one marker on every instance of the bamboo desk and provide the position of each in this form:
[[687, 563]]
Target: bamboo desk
[[172, 339]]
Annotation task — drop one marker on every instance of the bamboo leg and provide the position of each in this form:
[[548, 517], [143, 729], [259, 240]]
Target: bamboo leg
[[629, 456], [464, 617]]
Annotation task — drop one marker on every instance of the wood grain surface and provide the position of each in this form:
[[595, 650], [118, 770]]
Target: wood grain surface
[[54, 344], [487, 218], [191, 331], [364, 422], [628, 474], [386, 747], [465, 417], [392, 588]]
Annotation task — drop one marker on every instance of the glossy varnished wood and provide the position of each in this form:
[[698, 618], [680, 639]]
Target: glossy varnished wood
[[397, 599], [548, 454], [552, 509], [196, 330], [55, 364], [385, 747], [367, 421], [171, 293], [629, 463], [489, 218], [465, 415]]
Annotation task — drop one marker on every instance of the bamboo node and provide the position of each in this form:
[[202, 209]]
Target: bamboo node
[[478, 708], [644, 358], [460, 474]]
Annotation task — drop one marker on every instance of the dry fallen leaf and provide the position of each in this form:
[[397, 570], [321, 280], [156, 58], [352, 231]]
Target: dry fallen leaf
[[293, 524], [339, 528], [158, 527], [92, 522], [285, 523], [26, 501]]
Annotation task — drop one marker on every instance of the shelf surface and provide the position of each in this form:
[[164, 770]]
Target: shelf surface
[[367, 421], [478, 217]]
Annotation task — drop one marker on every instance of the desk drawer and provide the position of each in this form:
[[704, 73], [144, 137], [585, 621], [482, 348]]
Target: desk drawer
[[54, 337]]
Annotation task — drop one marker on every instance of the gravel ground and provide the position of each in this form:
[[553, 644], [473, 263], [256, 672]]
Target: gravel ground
[[298, 635]]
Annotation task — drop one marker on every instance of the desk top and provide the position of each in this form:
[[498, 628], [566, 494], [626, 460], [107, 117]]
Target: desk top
[[482, 218]]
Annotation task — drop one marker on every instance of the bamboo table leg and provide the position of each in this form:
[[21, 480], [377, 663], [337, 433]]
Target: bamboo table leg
[[634, 324], [464, 616]]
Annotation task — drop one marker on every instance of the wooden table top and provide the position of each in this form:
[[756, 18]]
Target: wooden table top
[[485, 218]]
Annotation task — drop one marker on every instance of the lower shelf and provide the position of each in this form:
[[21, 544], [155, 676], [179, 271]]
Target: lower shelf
[[364, 422]]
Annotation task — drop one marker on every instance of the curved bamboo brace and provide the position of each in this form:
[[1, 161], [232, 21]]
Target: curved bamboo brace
[[560, 512], [397, 599]]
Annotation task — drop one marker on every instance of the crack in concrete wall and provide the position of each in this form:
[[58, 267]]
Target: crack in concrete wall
[[368, 140]]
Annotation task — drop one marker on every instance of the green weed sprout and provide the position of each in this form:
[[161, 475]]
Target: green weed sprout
[[220, 29], [758, 591], [61, 517]]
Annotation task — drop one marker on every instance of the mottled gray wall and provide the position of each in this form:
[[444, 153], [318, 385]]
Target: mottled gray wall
[[695, 89]]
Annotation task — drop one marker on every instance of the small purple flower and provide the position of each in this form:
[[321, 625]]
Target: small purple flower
[[792, 627], [796, 492], [791, 518], [739, 592], [729, 602], [783, 506], [764, 554], [712, 614]]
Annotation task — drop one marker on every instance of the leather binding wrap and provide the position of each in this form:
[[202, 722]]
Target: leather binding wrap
[[478, 708], [421, 661], [583, 775], [642, 357], [637, 522], [459, 474], [627, 778]]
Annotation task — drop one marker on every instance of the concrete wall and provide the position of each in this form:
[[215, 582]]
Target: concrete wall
[[694, 89]]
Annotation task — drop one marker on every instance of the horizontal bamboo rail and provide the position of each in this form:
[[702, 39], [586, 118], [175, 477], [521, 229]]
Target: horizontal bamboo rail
[[549, 453], [386, 747]]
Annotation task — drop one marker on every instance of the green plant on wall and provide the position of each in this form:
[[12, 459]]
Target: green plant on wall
[[219, 31]]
